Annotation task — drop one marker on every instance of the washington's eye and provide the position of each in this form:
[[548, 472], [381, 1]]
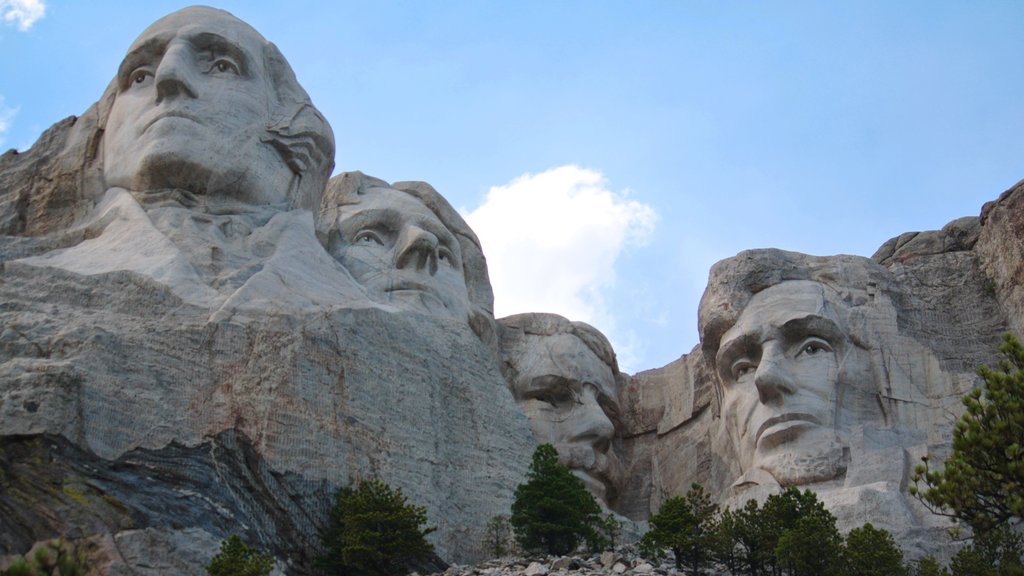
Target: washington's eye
[[445, 255], [224, 66], [742, 367], [813, 346], [139, 76], [368, 238]]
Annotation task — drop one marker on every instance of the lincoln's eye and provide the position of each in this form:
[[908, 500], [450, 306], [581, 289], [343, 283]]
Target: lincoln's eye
[[368, 238]]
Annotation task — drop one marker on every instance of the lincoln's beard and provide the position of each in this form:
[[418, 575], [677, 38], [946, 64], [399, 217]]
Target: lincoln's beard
[[805, 467]]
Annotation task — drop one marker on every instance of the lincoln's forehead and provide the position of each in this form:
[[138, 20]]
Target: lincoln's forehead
[[774, 307]]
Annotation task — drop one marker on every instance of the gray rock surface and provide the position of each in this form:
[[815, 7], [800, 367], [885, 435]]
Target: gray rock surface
[[181, 356]]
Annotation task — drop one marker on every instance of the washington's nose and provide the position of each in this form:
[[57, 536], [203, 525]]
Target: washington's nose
[[591, 425], [174, 75], [772, 379], [418, 250]]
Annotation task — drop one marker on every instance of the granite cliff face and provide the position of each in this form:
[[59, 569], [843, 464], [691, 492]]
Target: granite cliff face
[[181, 355], [201, 334], [906, 330]]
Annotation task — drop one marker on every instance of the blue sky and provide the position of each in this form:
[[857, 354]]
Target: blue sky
[[608, 153]]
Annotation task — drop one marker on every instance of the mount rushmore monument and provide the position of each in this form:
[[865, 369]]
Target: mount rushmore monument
[[204, 333]]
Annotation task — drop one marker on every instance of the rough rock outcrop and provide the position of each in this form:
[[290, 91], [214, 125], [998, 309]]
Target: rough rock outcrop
[[181, 358]]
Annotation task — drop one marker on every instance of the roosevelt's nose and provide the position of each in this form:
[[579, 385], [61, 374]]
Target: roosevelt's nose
[[418, 250], [175, 75], [590, 424], [772, 378]]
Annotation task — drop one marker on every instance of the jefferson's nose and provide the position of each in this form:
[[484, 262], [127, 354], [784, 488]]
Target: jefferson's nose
[[418, 249], [175, 75], [590, 424], [772, 378]]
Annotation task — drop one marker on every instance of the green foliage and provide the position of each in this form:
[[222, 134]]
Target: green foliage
[[873, 552], [929, 566], [53, 558], [998, 552], [811, 547], [374, 531], [236, 558], [685, 525], [611, 529], [498, 536], [983, 480], [553, 511]]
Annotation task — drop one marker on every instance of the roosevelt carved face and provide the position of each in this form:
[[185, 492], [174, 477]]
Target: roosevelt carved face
[[567, 393], [193, 100], [403, 254], [785, 367]]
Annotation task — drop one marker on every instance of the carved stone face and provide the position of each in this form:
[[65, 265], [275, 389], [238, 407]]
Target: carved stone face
[[565, 390], [403, 254], [780, 367], [193, 99]]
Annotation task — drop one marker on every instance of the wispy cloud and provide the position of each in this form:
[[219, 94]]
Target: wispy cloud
[[22, 13], [552, 241], [6, 117]]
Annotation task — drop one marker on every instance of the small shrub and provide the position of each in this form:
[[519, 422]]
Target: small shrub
[[374, 531], [236, 558]]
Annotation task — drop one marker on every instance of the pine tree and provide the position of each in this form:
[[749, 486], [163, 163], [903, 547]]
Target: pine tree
[[873, 552], [804, 534], [374, 531], [685, 525], [236, 558], [983, 480], [553, 511]]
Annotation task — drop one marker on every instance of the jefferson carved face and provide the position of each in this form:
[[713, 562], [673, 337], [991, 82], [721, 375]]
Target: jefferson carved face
[[402, 253], [780, 366], [193, 100], [567, 393]]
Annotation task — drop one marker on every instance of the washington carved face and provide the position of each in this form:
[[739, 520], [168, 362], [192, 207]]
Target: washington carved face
[[780, 367], [193, 100], [403, 254], [567, 393]]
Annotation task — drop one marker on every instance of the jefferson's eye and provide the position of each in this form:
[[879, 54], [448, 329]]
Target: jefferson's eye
[[742, 367], [813, 346], [368, 238]]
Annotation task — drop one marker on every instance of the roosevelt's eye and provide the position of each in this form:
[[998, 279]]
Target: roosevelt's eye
[[742, 367], [368, 238], [224, 66], [814, 345]]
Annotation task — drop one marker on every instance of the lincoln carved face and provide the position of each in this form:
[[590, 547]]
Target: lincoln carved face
[[567, 393], [401, 252], [194, 100], [785, 367]]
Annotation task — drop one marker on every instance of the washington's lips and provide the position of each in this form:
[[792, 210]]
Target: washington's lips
[[408, 285], [784, 422], [170, 114]]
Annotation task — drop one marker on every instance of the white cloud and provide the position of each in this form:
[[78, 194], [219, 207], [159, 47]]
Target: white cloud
[[552, 240], [6, 117], [23, 13]]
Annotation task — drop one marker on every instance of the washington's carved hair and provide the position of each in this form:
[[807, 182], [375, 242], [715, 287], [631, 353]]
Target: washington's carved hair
[[295, 128]]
